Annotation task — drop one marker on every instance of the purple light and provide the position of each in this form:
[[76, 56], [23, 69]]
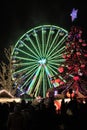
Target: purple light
[[74, 14]]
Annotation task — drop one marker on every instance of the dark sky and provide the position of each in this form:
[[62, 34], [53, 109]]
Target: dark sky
[[17, 17]]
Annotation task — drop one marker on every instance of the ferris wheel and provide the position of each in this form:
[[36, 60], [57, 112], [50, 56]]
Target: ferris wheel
[[36, 57]]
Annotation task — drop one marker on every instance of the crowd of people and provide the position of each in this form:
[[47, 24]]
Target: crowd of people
[[42, 114]]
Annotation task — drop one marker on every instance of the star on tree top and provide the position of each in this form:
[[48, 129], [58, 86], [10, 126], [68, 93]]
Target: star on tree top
[[74, 14]]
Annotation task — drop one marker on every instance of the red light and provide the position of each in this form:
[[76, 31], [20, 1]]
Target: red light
[[76, 78], [60, 69]]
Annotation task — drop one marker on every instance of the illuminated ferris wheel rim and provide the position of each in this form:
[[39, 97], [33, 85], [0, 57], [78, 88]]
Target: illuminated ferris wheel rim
[[39, 28], [43, 62]]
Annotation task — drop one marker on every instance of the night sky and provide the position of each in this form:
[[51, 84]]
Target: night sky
[[17, 17]]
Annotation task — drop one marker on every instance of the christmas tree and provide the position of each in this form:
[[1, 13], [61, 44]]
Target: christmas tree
[[72, 74], [76, 59]]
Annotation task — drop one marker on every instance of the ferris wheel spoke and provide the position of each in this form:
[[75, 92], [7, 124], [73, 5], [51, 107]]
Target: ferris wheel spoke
[[25, 59], [56, 59], [38, 43], [25, 53], [60, 43], [43, 41], [25, 64], [25, 73], [53, 42], [62, 78], [44, 76], [27, 77], [33, 44], [30, 49], [31, 71], [56, 62], [31, 86], [41, 79], [54, 67], [50, 85], [57, 53], [47, 75], [37, 88], [59, 62], [53, 71], [56, 56], [44, 88], [26, 81], [49, 40], [25, 69], [47, 70]]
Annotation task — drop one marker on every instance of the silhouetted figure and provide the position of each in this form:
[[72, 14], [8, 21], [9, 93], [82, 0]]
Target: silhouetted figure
[[15, 119]]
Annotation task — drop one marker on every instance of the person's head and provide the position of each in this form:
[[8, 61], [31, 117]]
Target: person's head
[[17, 108]]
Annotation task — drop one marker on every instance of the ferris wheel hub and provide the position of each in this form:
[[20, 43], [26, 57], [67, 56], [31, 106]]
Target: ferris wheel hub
[[42, 61]]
